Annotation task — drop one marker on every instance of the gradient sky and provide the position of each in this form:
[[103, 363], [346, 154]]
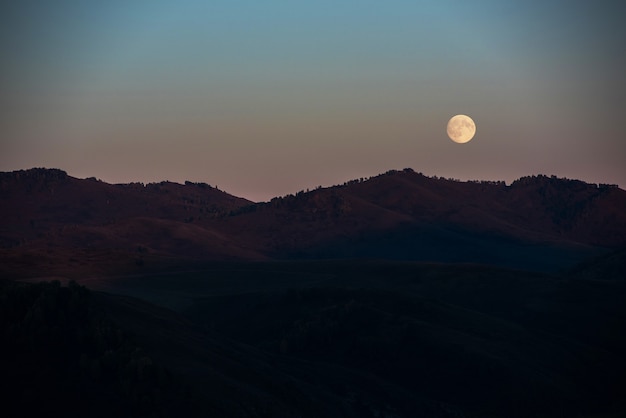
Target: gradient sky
[[265, 98]]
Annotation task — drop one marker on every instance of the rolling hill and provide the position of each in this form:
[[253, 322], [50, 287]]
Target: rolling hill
[[52, 223], [316, 338], [400, 295]]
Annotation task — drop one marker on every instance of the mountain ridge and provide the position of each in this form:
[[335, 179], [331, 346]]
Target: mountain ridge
[[544, 222]]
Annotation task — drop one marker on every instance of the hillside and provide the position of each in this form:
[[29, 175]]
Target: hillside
[[63, 356], [55, 223], [321, 338], [536, 222], [400, 295]]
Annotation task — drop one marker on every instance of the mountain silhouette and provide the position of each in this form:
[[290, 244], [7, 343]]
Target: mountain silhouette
[[400, 295], [55, 223]]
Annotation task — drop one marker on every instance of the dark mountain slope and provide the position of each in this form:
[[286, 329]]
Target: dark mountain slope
[[537, 222], [38, 199], [531, 208], [405, 339], [63, 356], [59, 224], [611, 266], [54, 224]]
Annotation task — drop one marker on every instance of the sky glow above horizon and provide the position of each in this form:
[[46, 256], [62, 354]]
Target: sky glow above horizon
[[268, 98]]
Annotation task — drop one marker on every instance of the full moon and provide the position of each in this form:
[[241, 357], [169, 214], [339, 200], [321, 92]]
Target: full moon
[[461, 129]]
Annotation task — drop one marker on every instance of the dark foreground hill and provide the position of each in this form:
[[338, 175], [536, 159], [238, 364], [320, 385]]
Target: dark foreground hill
[[53, 224], [63, 356], [333, 339]]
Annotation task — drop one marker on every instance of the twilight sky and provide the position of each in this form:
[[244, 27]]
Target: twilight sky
[[265, 98]]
